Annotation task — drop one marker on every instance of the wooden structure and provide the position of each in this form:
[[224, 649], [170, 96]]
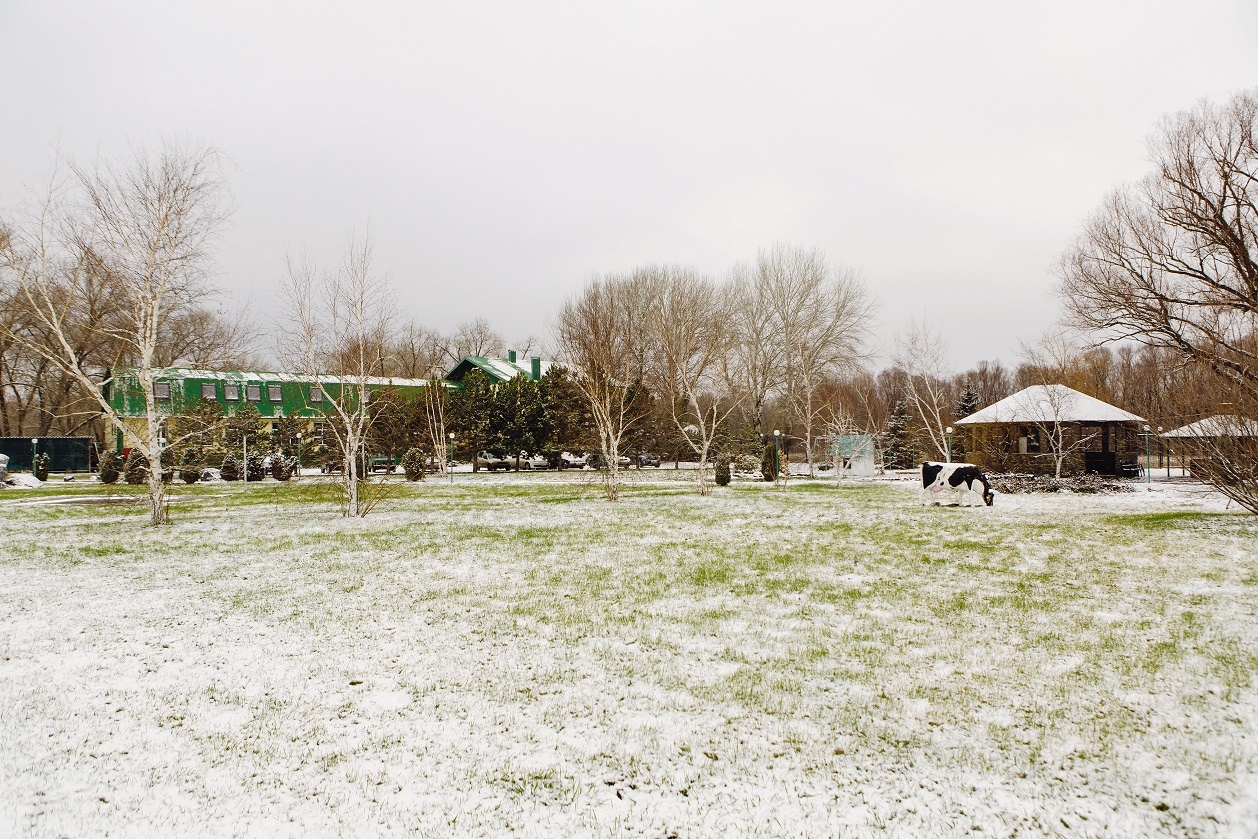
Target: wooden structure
[[1025, 431]]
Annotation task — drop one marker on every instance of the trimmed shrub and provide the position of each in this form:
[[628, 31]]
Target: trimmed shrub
[[413, 464], [230, 470], [42, 464], [282, 467], [747, 463], [137, 468], [722, 470], [190, 465], [256, 466], [768, 463], [110, 467]]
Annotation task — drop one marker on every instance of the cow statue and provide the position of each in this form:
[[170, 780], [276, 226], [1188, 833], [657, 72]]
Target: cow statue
[[961, 480]]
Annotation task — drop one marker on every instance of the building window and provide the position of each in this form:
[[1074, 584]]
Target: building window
[[274, 393], [1029, 442], [231, 392], [161, 390], [316, 394], [209, 390], [253, 393]]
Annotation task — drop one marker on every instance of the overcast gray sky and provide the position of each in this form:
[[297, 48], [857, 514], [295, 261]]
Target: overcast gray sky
[[504, 152]]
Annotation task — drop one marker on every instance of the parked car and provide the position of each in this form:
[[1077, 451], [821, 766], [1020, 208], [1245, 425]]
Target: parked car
[[595, 461], [568, 460], [490, 461], [640, 459], [531, 461]]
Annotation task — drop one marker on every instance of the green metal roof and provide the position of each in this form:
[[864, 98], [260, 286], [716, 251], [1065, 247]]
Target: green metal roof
[[498, 369]]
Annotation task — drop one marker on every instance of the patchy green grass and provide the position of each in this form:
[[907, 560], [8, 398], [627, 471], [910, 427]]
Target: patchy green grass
[[521, 641]]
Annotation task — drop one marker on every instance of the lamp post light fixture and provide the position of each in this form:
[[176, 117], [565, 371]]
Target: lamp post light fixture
[[948, 431], [297, 473], [34, 453], [450, 466], [1148, 464], [778, 459]]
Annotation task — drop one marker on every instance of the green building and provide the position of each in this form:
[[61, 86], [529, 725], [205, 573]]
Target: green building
[[177, 390]]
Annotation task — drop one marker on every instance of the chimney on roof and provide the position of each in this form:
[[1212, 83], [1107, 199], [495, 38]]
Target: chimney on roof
[[511, 356], [536, 364]]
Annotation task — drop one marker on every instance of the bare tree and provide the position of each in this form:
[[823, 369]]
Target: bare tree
[[1173, 260], [336, 330], [417, 352], [143, 233], [921, 355], [600, 340], [688, 356], [756, 346], [475, 338], [797, 324]]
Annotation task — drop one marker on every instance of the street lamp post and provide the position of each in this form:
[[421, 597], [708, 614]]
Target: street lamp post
[[297, 472], [948, 431], [34, 453], [1148, 463], [777, 456], [244, 467], [451, 464]]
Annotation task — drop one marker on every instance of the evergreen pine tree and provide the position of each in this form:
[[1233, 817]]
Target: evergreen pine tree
[[722, 469], [42, 464], [230, 470], [190, 465], [968, 403], [898, 449]]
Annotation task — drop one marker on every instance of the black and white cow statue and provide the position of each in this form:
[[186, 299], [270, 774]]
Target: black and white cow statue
[[960, 481]]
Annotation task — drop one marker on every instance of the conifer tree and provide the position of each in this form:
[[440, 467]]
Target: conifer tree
[[898, 449]]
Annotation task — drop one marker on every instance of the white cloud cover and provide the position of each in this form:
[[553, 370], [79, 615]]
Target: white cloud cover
[[504, 152]]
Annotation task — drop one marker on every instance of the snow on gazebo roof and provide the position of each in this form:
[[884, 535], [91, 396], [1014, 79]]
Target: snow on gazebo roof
[[1219, 425], [1047, 404]]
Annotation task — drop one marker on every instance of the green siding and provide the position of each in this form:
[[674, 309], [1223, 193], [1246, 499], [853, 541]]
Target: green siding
[[126, 397]]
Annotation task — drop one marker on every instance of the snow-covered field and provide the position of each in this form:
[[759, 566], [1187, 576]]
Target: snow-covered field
[[513, 656]]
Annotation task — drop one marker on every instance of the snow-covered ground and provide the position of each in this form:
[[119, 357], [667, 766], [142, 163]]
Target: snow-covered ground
[[514, 656]]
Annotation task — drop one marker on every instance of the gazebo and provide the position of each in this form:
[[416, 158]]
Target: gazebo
[[1221, 434], [1023, 433]]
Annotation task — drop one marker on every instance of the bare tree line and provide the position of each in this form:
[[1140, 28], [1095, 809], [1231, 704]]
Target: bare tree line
[[111, 267]]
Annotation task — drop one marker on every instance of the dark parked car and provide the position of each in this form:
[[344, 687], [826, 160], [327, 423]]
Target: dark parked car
[[568, 460], [640, 459], [595, 461]]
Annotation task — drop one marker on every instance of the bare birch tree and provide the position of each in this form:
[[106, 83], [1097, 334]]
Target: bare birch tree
[[756, 346], [688, 354], [144, 231], [599, 337], [820, 321], [921, 354], [336, 330]]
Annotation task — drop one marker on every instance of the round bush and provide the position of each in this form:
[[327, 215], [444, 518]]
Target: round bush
[[42, 464], [137, 468], [413, 464], [110, 467]]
